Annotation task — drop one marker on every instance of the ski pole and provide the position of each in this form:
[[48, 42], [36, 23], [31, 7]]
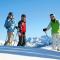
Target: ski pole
[[46, 33], [15, 36]]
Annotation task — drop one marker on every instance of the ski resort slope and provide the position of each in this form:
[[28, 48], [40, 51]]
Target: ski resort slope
[[20, 57], [34, 50], [27, 53]]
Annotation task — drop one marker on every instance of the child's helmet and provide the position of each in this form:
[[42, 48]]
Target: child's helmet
[[23, 15], [10, 13]]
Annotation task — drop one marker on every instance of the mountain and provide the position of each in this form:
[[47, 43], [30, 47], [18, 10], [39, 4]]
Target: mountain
[[33, 42], [39, 42]]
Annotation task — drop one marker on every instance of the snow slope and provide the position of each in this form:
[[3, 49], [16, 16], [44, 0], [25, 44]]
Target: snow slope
[[34, 50], [20, 57], [30, 52]]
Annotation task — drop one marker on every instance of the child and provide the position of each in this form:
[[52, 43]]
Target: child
[[54, 25], [10, 26], [22, 30]]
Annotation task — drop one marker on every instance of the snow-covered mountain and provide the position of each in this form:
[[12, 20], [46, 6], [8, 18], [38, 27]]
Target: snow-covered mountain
[[39, 42], [33, 42]]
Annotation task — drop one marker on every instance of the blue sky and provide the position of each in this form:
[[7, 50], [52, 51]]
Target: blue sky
[[37, 12]]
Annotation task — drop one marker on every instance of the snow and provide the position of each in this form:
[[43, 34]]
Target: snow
[[27, 52], [39, 42], [46, 40], [2, 42], [35, 49], [20, 57]]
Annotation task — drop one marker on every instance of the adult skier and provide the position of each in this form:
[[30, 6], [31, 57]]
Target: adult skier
[[10, 26], [54, 25]]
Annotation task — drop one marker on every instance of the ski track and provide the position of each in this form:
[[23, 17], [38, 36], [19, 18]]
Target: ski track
[[36, 52]]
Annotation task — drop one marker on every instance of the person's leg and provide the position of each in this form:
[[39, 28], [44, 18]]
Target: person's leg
[[58, 42], [24, 39], [10, 38], [9, 35], [54, 41], [19, 42]]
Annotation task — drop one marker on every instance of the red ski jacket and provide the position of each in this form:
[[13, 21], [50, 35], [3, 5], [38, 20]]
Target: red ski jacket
[[22, 26]]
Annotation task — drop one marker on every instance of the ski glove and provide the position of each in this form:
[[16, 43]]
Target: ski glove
[[45, 29], [16, 27]]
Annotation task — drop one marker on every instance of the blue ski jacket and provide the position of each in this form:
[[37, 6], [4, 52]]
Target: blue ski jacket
[[9, 25]]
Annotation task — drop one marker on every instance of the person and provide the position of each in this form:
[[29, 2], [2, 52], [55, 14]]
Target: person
[[22, 31], [10, 26], [54, 25]]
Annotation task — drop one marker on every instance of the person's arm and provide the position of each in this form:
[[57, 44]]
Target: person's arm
[[19, 26], [6, 24], [13, 24], [48, 27]]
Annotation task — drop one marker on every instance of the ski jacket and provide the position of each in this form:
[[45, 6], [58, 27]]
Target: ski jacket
[[9, 25], [22, 26], [54, 26]]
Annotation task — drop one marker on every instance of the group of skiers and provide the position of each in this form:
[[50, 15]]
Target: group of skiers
[[10, 26]]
